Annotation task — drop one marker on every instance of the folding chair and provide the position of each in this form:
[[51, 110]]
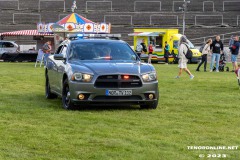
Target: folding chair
[[39, 57]]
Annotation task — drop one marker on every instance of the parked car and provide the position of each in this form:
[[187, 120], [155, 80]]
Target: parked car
[[7, 46], [100, 71]]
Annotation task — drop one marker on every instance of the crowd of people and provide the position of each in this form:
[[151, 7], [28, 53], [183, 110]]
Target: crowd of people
[[215, 48]]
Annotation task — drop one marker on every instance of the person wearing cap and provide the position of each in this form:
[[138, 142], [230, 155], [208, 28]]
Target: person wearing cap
[[182, 63]]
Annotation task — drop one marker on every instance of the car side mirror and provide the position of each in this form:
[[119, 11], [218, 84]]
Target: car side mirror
[[59, 57]]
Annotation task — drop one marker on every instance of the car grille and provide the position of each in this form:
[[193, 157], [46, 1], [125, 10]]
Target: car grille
[[118, 81]]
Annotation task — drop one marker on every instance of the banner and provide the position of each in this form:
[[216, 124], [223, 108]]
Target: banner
[[72, 27]]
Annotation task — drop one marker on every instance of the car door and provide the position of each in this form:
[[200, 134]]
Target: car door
[[61, 69], [1, 50], [53, 69], [8, 47]]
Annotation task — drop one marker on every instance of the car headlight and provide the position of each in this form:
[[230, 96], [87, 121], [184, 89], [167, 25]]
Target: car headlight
[[82, 77], [152, 76]]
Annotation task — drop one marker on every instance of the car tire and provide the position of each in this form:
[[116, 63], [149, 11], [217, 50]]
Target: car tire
[[152, 105], [48, 93], [66, 100]]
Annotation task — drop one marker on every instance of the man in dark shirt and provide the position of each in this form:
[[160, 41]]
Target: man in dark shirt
[[234, 48], [217, 49]]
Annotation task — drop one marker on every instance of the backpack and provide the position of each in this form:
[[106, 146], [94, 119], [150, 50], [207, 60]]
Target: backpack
[[201, 48], [139, 48], [189, 53]]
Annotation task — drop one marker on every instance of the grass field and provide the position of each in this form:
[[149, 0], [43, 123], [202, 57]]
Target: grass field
[[200, 112]]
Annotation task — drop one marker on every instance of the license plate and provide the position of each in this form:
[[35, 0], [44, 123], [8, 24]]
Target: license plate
[[118, 92]]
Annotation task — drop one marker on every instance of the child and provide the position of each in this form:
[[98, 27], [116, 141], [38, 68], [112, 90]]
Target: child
[[150, 51], [237, 71]]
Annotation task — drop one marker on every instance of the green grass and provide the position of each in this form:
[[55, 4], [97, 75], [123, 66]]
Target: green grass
[[202, 112]]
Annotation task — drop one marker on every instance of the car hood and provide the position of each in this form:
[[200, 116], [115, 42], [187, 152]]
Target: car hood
[[117, 67]]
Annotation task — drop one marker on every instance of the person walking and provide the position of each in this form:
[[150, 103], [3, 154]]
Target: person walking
[[217, 49], [234, 48], [182, 63], [144, 48], [206, 50], [150, 51], [139, 50], [166, 52], [47, 51]]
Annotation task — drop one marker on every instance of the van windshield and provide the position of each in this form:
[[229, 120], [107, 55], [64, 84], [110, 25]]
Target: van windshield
[[176, 43]]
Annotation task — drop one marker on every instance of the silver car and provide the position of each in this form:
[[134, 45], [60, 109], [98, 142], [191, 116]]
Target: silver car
[[100, 71], [7, 47]]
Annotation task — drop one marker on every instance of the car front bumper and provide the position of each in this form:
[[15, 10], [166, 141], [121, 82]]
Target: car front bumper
[[93, 95]]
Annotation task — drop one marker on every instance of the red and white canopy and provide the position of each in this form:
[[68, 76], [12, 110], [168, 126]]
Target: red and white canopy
[[25, 33]]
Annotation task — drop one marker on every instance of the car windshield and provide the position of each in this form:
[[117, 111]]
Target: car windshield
[[101, 51]]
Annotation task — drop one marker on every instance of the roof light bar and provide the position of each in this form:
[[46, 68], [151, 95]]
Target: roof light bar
[[80, 35]]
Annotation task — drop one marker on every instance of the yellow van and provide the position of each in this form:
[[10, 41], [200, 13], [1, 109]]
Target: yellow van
[[157, 37]]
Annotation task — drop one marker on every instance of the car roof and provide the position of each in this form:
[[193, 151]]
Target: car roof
[[97, 40]]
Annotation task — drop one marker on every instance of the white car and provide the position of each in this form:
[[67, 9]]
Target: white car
[[7, 46]]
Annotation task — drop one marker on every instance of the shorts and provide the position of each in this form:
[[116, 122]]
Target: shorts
[[182, 64], [234, 58]]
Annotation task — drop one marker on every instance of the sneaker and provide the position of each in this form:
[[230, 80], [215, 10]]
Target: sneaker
[[210, 71], [197, 70], [191, 76], [166, 63], [217, 70], [177, 77], [205, 70]]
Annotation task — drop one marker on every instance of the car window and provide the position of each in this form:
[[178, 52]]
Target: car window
[[58, 50], [101, 51], [7, 45], [64, 51], [175, 44]]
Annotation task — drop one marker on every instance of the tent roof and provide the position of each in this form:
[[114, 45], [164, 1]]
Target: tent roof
[[25, 33], [147, 34], [74, 18]]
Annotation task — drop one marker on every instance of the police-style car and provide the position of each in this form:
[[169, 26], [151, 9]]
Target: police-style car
[[100, 69]]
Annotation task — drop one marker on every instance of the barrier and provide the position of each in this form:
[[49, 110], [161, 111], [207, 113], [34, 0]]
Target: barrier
[[204, 2], [11, 0], [208, 16], [160, 4], [87, 2], [40, 17], [39, 4], [131, 21], [154, 15]]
